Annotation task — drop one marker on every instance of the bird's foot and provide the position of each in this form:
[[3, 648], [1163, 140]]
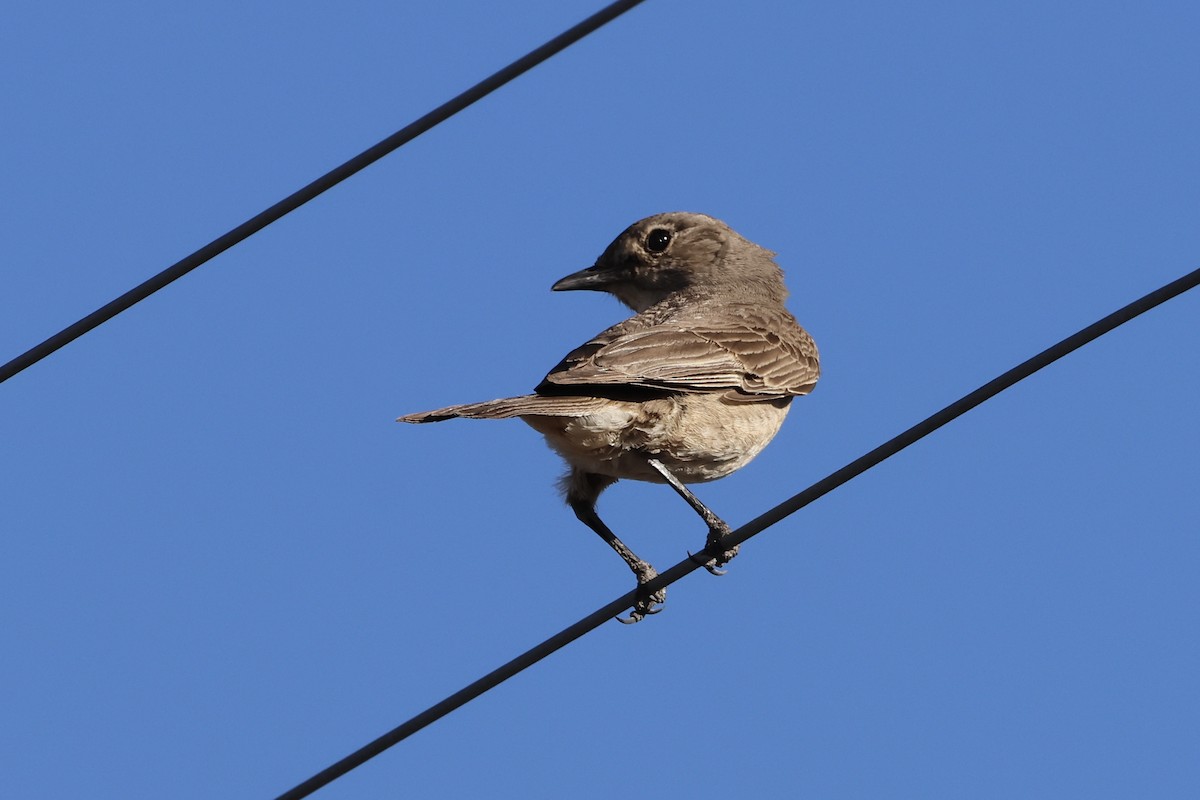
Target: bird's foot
[[647, 602], [718, 530]]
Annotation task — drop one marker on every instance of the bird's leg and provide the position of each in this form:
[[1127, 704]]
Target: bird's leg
[[647, 601], [717, 527]]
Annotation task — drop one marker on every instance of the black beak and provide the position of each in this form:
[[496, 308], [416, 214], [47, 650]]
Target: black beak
[[595, 278]]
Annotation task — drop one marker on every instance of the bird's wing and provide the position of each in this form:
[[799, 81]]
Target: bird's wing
[[748, 355]]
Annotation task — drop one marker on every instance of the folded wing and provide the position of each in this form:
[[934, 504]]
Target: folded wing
[[747, 354]]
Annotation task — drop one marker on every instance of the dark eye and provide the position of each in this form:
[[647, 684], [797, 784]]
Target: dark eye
[[658, 240]]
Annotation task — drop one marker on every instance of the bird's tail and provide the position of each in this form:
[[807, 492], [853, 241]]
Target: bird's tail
[[530, 405]]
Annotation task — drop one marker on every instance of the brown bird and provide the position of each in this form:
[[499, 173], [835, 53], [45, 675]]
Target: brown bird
[[687, 391]]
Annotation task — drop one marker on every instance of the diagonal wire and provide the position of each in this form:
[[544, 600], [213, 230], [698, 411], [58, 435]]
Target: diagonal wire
[[317, 187], [752, 528]]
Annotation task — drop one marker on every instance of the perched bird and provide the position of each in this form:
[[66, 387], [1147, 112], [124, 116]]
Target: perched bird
[[688, 390]]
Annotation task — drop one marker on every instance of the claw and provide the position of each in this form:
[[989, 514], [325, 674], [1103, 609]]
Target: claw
[[637, 615], [709, 564], [715, 542], [646, 604]]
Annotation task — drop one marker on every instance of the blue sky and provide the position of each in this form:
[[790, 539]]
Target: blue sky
[[225, 567]]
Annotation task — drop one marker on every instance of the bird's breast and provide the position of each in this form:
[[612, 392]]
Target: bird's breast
[[699, 437]]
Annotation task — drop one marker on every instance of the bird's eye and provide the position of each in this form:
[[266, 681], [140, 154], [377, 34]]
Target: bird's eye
[[658, 240]]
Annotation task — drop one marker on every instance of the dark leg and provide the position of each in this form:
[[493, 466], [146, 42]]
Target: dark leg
[[582, 490], [717, 528]]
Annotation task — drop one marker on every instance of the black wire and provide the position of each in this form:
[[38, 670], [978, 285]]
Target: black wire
[[752, 528], [320, 185]]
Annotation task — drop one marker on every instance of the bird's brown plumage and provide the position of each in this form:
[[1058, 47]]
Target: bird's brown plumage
[[689, 389], [745, 352]]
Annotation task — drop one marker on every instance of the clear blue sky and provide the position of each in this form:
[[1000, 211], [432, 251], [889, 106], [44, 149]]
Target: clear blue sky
[[224, 566]]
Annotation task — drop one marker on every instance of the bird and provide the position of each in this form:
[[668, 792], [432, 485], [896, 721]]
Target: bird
[[688, 390]]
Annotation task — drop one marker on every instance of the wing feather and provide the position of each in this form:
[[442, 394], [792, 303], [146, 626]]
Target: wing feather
[[746, 352]]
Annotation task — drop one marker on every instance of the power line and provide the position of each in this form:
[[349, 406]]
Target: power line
[[317, 187], [750, 529]]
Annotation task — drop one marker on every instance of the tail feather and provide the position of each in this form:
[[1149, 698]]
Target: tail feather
[[533, 405]]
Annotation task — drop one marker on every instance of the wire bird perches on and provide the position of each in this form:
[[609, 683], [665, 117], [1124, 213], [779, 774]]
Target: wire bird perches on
[[317, 187], [752, 528]]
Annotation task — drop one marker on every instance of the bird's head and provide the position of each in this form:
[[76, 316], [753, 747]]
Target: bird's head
[[680, 254]]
